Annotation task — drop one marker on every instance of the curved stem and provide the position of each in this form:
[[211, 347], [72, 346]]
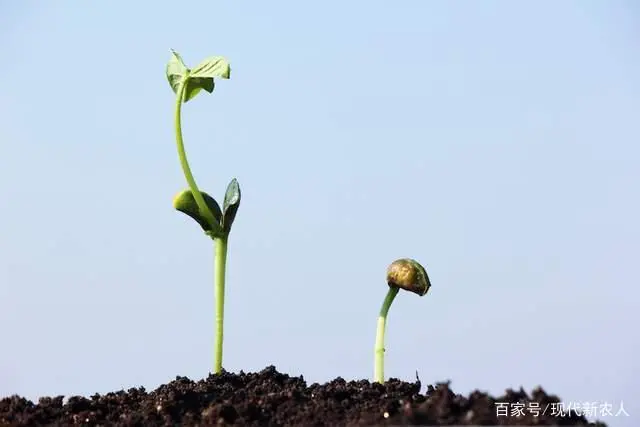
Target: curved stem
[[204, 209], [382, 323], [220, 268]]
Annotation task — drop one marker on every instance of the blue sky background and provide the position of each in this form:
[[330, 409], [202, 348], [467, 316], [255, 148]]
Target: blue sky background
[[496, 142]]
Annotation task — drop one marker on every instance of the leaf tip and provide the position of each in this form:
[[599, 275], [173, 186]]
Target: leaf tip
[[179, 198]]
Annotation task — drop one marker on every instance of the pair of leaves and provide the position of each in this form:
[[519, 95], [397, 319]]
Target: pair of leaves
[[201, 77], [185, 202]]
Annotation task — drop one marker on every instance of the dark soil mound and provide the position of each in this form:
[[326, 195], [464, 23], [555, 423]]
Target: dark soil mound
[[270, 398]]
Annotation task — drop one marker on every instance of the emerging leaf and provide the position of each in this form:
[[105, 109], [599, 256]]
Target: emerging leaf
[[197, 79], [176, 71], [231, 204], [186, 203], [195, 84], [214, 66]]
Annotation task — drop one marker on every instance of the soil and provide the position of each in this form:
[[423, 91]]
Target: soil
[[270, 398]]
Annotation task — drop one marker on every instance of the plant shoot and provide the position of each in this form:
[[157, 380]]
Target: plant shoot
[[405, 274], [186, 84]]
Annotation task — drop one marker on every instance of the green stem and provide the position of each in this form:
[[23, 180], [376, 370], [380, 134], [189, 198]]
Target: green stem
[[204, 209], [220, 268], [382, 323]]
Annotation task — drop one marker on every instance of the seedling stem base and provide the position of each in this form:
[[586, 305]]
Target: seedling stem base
[[378, 374], [220, 271]]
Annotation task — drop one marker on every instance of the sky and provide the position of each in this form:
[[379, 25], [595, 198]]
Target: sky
[[495, 142]]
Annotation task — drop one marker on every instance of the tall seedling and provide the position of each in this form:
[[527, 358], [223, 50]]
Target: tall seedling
[[186, 84]]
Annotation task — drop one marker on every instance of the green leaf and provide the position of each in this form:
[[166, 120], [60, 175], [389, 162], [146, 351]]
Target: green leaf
[[202, 76], [195, 85], [186, 203], [199, 78], [214, 66], [231, 204], [176, 71]]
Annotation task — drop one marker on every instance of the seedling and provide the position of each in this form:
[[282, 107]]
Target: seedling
[[405, 274], [186, 84]]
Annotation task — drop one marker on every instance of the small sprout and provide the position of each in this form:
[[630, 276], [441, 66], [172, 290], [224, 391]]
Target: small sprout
[[405, 274], [186, 84]]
